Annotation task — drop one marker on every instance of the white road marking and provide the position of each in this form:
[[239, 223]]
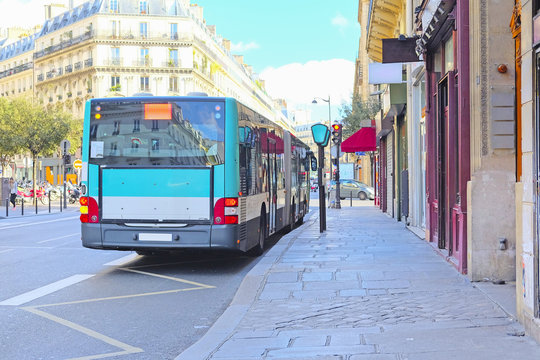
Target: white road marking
[[37, 223], [6, 250], [45, 290], [58, 238], [122, 260]]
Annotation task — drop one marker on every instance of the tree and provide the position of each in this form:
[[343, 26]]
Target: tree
[[10, 142], [357, 111], [41, 130]]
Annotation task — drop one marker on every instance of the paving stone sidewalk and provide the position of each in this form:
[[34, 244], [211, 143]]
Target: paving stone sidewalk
[[367, 288]]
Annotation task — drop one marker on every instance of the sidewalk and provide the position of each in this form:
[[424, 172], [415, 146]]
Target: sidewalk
[[366, 289], [30, 209]]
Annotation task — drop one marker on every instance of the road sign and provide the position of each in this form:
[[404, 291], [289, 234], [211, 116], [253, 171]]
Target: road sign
[[65, 145], [77, 164]]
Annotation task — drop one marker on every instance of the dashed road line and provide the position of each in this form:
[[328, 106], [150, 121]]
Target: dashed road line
[[121, 261], [44, 290], [128, 349], [58, 238], [37, 223], [5, 251]]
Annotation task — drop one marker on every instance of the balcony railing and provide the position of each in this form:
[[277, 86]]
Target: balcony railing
[[88, 62], [115, 61], [50, 75], [143, 62], [64, 44], [171, 63], [16, 69], [69, 68], [150, 36], [78, 65]]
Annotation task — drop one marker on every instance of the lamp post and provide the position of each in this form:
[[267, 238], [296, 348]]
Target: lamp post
[[329, 124], [321, 136]]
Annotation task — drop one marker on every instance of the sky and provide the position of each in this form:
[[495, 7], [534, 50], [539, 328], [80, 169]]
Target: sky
[[303, 49]]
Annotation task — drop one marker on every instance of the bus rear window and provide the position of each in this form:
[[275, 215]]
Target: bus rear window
[[157, 133]]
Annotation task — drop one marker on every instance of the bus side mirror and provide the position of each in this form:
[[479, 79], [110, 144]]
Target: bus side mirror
[[313, 163]]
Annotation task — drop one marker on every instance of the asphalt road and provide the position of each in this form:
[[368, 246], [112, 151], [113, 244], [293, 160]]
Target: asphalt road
[[59, 300]]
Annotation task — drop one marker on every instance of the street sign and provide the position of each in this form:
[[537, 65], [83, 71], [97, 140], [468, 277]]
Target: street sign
[[360, 153], [77, 164], [65, 145]]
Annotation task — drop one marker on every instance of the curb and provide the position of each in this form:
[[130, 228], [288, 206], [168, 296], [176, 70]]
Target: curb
[[245, 296]]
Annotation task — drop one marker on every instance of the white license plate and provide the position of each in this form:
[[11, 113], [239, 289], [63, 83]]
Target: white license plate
[[155, 237]]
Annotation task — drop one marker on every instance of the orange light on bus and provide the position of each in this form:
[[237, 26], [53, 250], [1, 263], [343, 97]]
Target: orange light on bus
[[157, 111], [231, 201]]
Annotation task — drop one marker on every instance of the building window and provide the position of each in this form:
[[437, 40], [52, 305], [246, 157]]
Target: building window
[[144, 57], [143, 7], [113, 6], [115, 56], [173, 57], [174, 31], [143, 29], [449, 54], [113, 29], [145, 83], [173, 84], [115, 83]]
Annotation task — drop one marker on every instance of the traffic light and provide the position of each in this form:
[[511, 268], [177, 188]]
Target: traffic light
[[336, 133]]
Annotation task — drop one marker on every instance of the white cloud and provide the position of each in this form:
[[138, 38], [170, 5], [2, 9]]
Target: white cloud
[[340, 21], [299, 84], [241, 47]]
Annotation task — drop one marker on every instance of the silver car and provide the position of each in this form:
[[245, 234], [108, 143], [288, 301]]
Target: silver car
[[354, 188]]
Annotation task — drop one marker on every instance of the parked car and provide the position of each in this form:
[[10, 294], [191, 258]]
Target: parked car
[[355, 188]]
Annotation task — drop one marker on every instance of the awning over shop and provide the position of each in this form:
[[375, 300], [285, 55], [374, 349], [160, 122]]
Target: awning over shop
[[362, 140]]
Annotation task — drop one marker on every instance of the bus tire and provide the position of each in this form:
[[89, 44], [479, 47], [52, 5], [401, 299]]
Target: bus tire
[[292, 224], [259, 248]]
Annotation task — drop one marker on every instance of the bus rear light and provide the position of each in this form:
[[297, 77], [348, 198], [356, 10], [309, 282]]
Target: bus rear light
[[230, 202], [226, 211], [89, 210], [231, 219]]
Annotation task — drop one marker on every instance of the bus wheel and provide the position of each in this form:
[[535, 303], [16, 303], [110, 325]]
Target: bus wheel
[[259, 248], [293, 217]]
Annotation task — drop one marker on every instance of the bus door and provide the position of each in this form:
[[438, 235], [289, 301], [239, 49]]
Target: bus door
[[272, 181]]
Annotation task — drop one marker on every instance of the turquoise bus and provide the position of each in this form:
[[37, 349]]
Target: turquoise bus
[[169, 173]]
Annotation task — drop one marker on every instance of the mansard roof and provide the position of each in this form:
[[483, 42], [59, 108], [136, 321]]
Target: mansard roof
[[19, 47], [89, 8]]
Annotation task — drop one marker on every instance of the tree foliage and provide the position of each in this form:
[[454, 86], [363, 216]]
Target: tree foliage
[[39, 130], [357, 111], [10, 142]]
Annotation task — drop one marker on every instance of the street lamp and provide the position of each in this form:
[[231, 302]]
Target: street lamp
[[329, 124], [321, 137]]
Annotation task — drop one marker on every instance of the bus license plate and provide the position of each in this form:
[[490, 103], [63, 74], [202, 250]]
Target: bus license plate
[[155, 237]]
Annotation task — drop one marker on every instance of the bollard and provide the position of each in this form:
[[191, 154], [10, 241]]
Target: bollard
[[351, 198], [36, 200], [22, 206], [7, 206], [60, 202], [49, 196]]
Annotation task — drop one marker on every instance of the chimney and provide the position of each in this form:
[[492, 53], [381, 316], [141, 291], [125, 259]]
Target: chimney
[[227, 44], [249, 69], [197, 11], [239, 59], [212, 29]]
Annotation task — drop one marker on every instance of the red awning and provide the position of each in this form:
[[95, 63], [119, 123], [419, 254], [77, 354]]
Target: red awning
[[362, 140]]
